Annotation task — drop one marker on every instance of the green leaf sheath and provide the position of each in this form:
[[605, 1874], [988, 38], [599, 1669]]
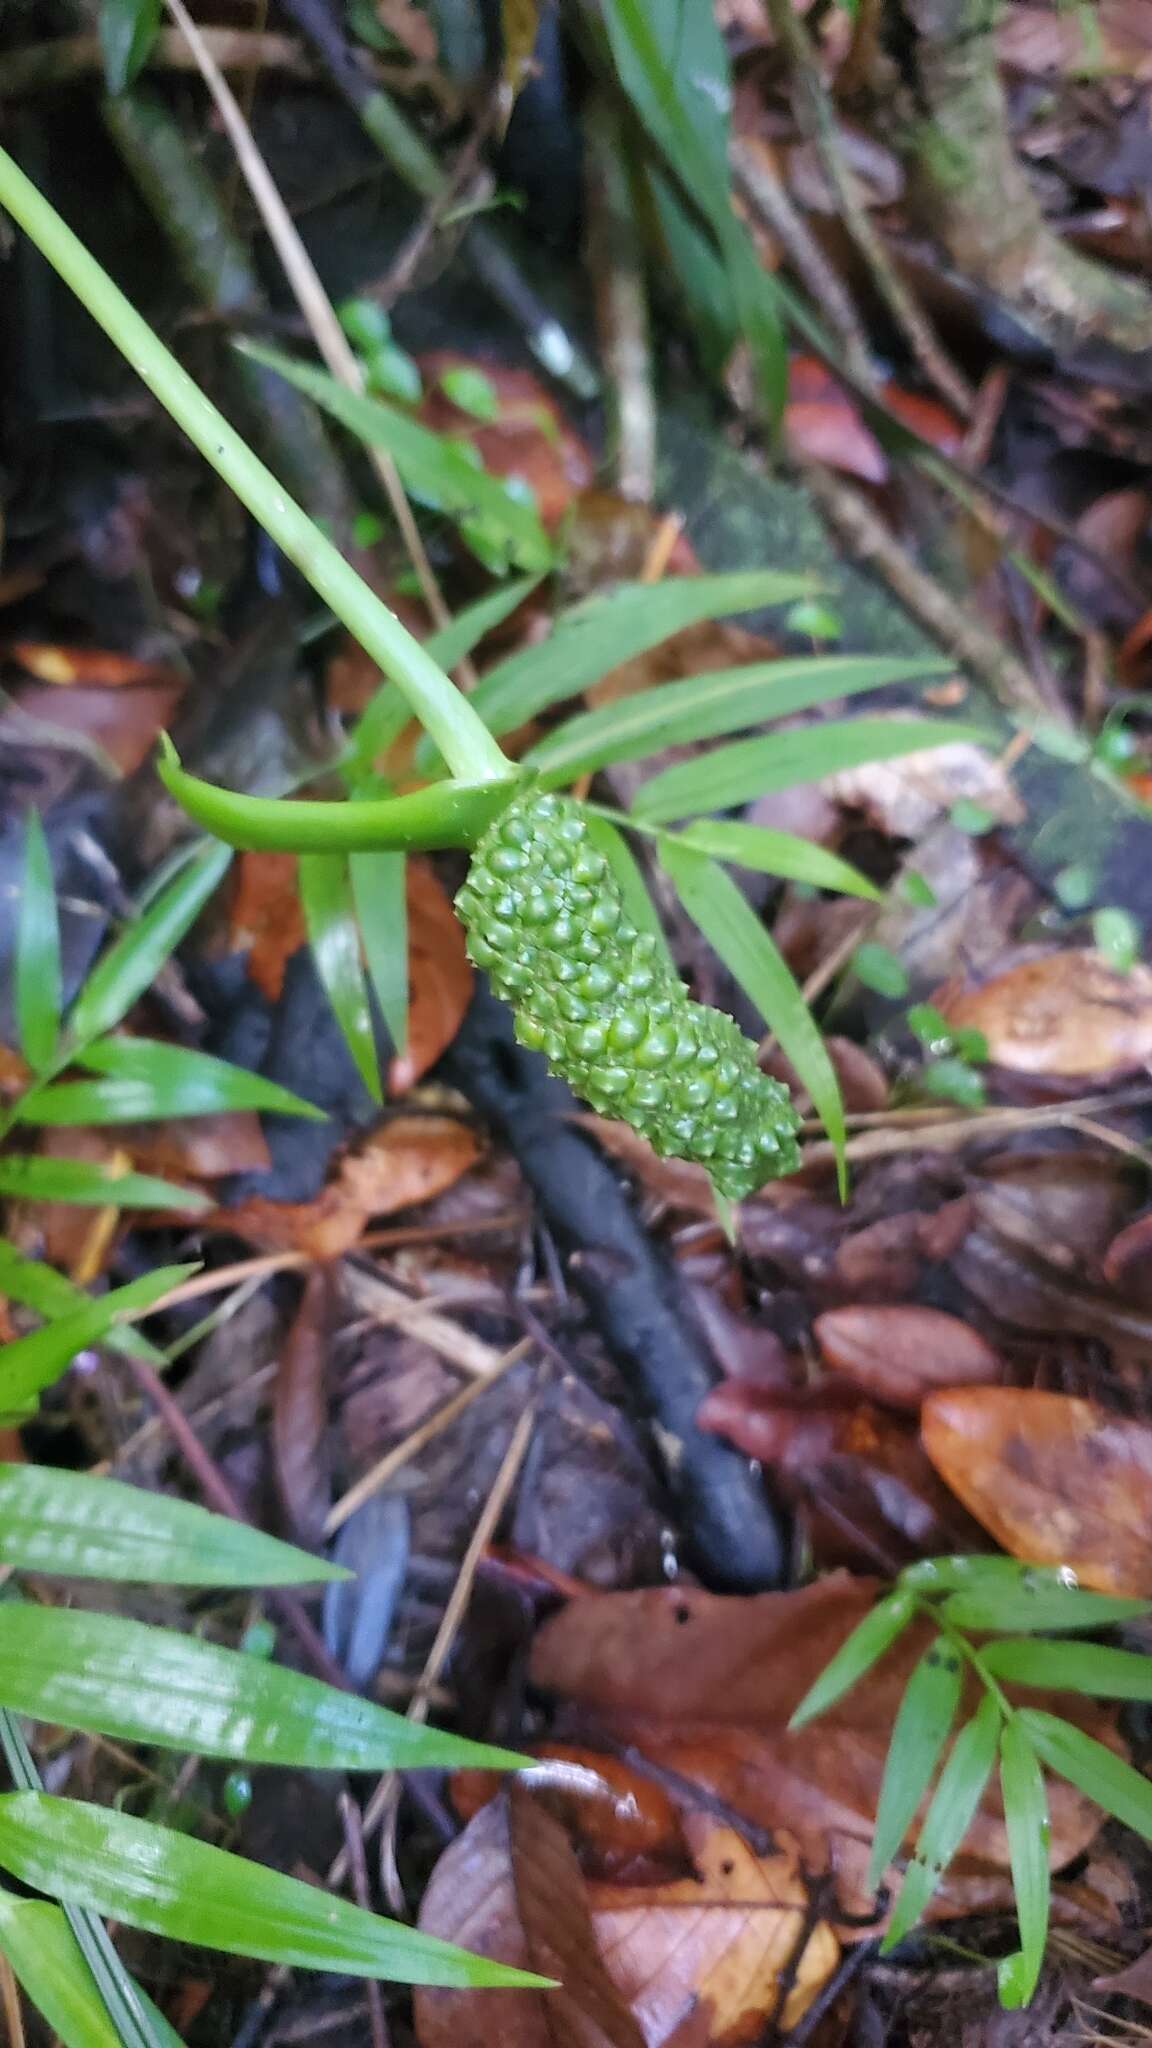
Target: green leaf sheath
[[546, 922]]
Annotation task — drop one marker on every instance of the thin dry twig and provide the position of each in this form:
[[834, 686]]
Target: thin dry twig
[[386, 1305], [351, 1822]]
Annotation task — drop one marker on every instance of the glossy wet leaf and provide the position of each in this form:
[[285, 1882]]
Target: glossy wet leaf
[[729, 923], [958, 1793], [166, 1883], [856, 1655], [1038, 1603], [329, 908], [919, 1733], [47, 1962], [1091, 1668], [81, 1180], [596, 636], [130, 965], [31, 1363], [40, 1287], [1093, 1769], [1026, 1819], [708, 706], [67, 1524], [380, 898], [739, 773], [37, 951], [139, 1684], [785, 854], [145, 1080]]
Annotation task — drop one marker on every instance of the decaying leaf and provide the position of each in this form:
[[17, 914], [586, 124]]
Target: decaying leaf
[[439, 973], [1066, 1013], [900, 1352], [623, 1825], [266, 921], [1056, 1480], [529, 437], [704, 1685], [300, 1411], [904, 797], [407, 1161]]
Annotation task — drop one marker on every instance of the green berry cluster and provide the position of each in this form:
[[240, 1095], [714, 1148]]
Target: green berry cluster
[[546, 922]]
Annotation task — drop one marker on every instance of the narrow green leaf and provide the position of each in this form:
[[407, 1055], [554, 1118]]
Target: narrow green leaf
[[41, 1287], [1092, 1768], [45, 1958], [378, 892], [70, 1525], [85, 1181], [1026, 1819], [115, 1677], [37, 951], [199, 1082], [930, 1575], [133, 961], [31, 1363], [1090, 1668], [602, 632], [856, 1655], [386, 715], [730, 924], [165, 1883], [777, 853], [954, 1802], [330, 918], [922, 1726], [747, 769], [128, 30], [629, 878], [707, 706], [1038, 1601], [436, 469]]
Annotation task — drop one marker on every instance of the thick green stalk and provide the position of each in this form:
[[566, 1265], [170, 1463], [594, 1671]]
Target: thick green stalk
[[464, 741]]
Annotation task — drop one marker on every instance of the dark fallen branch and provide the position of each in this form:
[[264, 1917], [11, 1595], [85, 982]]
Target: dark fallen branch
[[734, 1536]]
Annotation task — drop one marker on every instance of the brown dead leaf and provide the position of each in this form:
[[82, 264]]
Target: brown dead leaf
[[300, 1411], [1065, 1013], [266, 921], [439, 974], [407, 1161], [904, 797], [623, 1825], [899, 1352], [1039, 40], [530, 438], [1134, 1981], [101, 668], [704, 1684], [1054, 1479], [187, 1150], [123, 723], [1126, 1261]]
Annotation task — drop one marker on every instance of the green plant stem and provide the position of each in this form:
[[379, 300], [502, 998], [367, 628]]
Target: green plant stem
[[464, 741], [970, 1655]]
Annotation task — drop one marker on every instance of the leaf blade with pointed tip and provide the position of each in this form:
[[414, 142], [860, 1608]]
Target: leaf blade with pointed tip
[[41, 1287], [785, 854], [144, 1081], [856, 1655], [84, 1181], [70, 1525], [958, 1793], [922, 1726], [46, 1959], [1026, 1820], [326, 900], [29, 1364], [1091, 1668], [153, 1878], [379, 882], [38, 997], [1035, 1603], [1091, 1767], [747, 769], [130, 965]]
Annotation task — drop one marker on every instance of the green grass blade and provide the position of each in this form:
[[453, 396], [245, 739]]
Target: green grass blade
[[37, 1286], [31, 1363], [145, 1082], [922, 1726], [130, 965], [84, 1181], [1038, 1601], [769, 852], [166, 1883], [1092, 1768], [1026, 1819], [111, 1676], [380, 899], [1090, 1668], [747, 769], [330, 919], [856, 1655], [730, 924], [68, 1525], [958, 1793], [37, 951], [708, 706], [49, 1964]]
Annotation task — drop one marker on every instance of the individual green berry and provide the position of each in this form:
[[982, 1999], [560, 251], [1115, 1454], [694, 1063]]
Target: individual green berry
[[546, 922]]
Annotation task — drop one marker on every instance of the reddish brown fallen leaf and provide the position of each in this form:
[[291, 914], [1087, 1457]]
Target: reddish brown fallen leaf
[[883, 1262], [300, 1411], [863, 1082], [623, 1825], [101, 668], [439, 974], [123, 723], [704, 1684], [530, 438], [1066, 1013], [187, 1150], [510, 1887], [1126, 1261], [1054, 1479], [1134, 1981], [821, 422], [407, 1161], [609, 539], [898, 1353], [266, 921]]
